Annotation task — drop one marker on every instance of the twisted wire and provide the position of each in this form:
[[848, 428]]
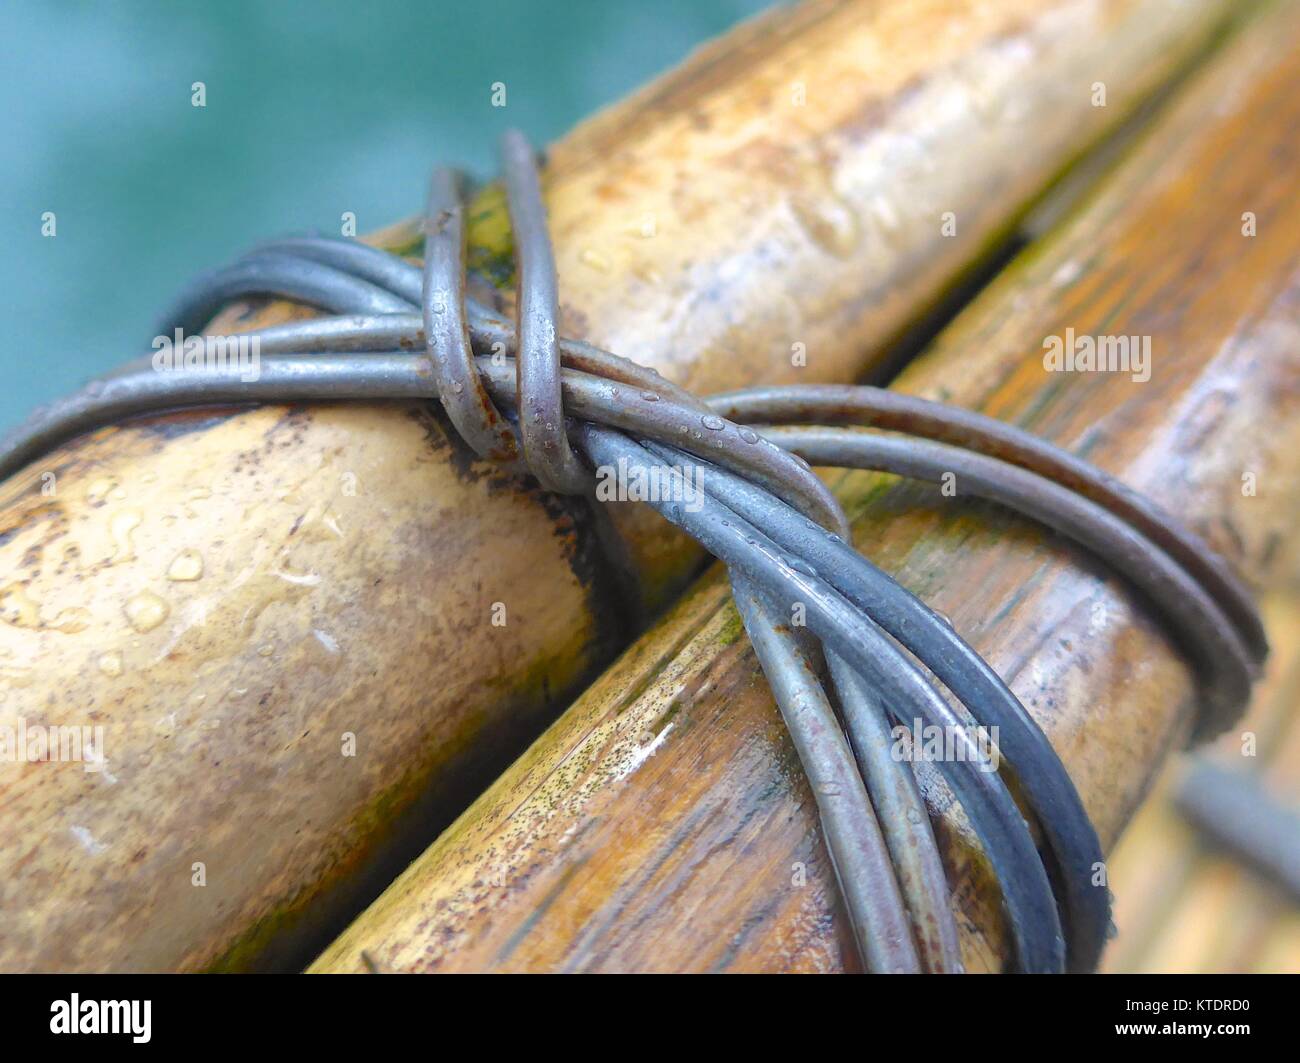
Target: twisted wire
[[521, 394]]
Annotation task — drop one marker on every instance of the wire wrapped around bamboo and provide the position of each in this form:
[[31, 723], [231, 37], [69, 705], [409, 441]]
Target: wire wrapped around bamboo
[[662, 823], [312, 634]]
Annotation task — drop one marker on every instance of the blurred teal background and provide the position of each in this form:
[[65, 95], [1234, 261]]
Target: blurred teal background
[[313, 109]]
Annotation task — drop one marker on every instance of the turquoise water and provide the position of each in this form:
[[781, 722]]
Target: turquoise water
[[311, 110]]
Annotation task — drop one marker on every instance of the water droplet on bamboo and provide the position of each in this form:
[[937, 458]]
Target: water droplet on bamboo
[[186, 566], [17, 608], [71, 620], [122, 529], [145, 611], [110, 663]]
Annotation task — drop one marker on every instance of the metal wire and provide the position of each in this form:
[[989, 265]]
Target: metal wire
[[827, 405], [1237, 813], [853, 838], [1211, 639], [287, 276], [889, 780], [1052, 799], [520, 390], [906, 692], [540, 409], [446, 326]]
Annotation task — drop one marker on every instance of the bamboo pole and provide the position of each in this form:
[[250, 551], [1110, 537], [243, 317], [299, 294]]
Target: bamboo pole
[[310, 634], [662, 823], [1167, 880]]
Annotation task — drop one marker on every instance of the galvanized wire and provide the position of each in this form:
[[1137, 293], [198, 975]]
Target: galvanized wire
[[521, 391]]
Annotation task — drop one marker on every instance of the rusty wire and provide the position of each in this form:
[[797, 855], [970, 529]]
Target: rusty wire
[[519, 393]]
